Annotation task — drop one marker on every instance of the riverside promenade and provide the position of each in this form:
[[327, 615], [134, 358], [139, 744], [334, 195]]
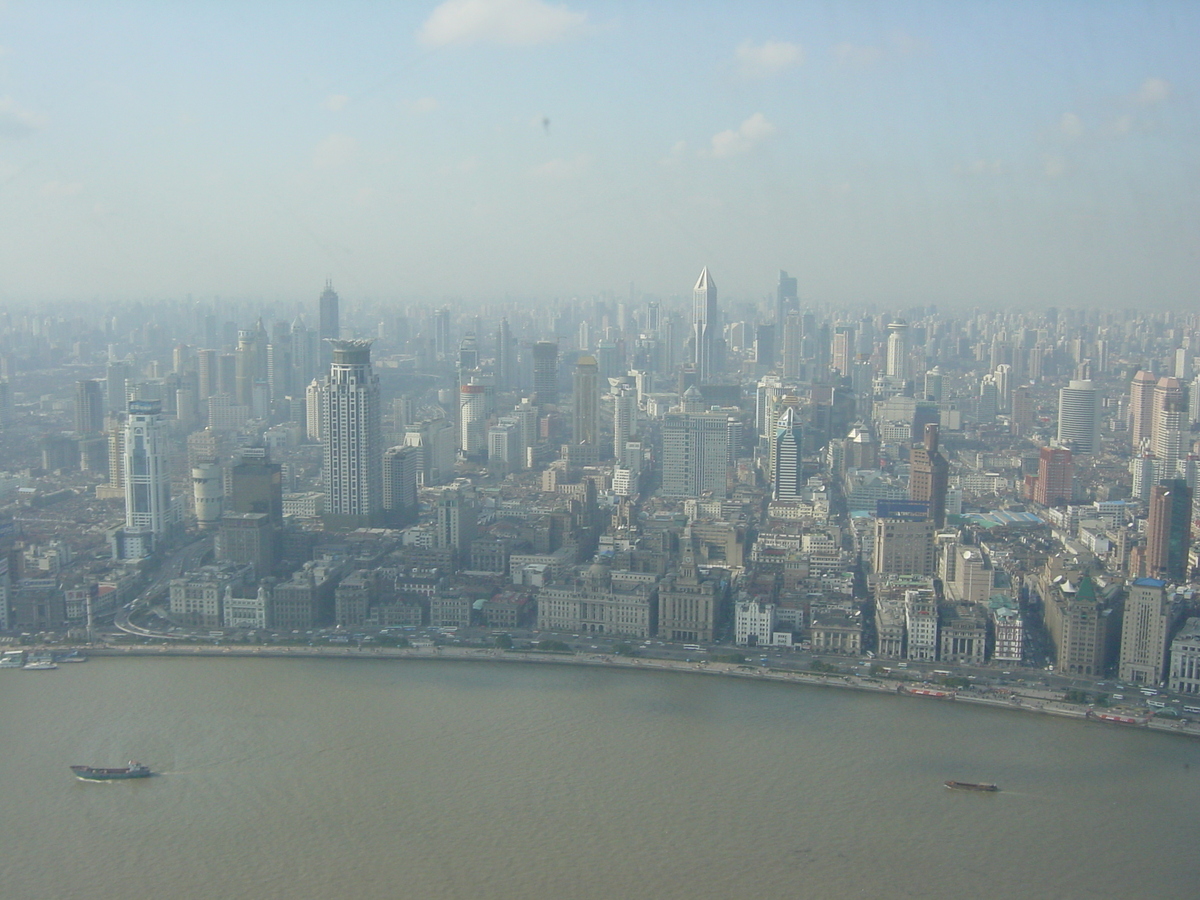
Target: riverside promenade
[[1025, 700]]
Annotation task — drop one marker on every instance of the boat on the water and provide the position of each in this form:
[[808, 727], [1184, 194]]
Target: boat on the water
[[39, 665], [970, 786], [94, 773]]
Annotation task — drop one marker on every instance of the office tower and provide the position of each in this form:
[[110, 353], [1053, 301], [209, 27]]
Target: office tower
[[1168, 423], [897, 365], [246, 367], [312, 411], [208, 494], [457, 518], [787, 465], [1168, 530], [468, 353], [765, 345], [351, 433], [624, 420], [504, 449], [989, 400], [1183, 364], [934, 384], [89, 407], [207, 374], [472, 419], [441, 333], [903, 545], [1141, 408], [227, 374], [148, 512], [1055, 478], [843, 350], [305, 355], [706, 328], [1003, 378], [247, 539], [506, 357], [256, 485], [585, 414], [400, 465], [437, 441], [328, 324], [281, 370], [1021, 419], [787, 298], [116, 376], [695, 455], [1079, 417], [770, 389], [545, 372], [1145, 629], [929, 475]]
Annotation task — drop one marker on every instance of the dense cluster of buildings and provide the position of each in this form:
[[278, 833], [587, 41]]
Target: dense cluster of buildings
[[986, 486]]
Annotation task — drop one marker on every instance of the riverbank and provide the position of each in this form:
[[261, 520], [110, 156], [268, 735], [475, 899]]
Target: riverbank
[[1031, 701]]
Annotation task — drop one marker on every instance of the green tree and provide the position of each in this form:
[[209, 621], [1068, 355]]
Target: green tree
[[504, 642]]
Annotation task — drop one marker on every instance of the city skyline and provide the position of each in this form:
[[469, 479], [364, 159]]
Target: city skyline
[[883, 154]]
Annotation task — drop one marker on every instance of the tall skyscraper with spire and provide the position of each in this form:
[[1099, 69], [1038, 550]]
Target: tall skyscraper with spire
[[787, 469], [352, 435], [706, 327]]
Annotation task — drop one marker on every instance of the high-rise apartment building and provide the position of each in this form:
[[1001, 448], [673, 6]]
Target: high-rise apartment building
[[897, 364], [706, 327], [1079, 417], [472, 419], [351, 423], [400, 465], [624, 420], [585, 413]]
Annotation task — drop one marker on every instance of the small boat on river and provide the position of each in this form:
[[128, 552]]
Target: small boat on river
[[970, 786]]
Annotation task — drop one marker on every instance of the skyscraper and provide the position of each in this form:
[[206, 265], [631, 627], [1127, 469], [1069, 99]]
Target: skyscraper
[[1141, 408], [89, 407], [148, 510], [624, 417], [787, 298], [472, 419], [897, 351], [1145, 629], [1056, 473], [1079, 417], [505, 357], [787, 468], [585, 416], [1168, 530], [328, 323], [545, 372], [351, 433], [929, 475], [695, 455], [1168, 424], [400, 466], [706, 327]]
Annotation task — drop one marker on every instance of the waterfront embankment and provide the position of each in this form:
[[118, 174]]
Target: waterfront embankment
[[1021, 700]]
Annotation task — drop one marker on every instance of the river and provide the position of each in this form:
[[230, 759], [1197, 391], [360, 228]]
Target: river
[[311, 778]]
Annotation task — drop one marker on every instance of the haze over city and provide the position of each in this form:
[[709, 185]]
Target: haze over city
[[886, 154]]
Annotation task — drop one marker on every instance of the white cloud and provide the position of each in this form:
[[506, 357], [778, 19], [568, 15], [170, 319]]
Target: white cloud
[[677, 153], [898, 45], [513, 23], [336, 102], [62, 188], [856, 54], [424, 105], [335, 150], [1154, 90], [16, 121], [750, 133], [1120, 126], [562, 169], [980, 167], [768, 58], [1070, 125], [1054, 166]]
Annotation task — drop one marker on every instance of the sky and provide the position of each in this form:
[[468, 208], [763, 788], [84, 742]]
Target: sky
[[887, 153]]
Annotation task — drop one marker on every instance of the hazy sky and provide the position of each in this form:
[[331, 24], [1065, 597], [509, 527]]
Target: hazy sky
[[891, 152]]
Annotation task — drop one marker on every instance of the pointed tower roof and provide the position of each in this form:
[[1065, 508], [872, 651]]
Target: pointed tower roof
[[704, 282]]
